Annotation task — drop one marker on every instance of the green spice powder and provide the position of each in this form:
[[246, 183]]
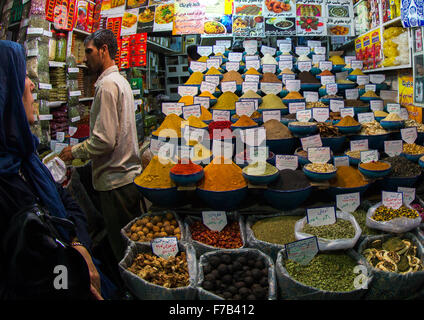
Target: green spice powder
[[340, 230], [326, 271], [278, 230]]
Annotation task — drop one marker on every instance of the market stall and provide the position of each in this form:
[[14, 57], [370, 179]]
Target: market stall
[[284, 163]]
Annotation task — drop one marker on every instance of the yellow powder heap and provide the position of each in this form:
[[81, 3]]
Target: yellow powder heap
[[250, 94], [272, 101], [194, 122], [195, 78], [370, 94], [170, 127], [252, 71], [226, 101], [293, 95], [207, 94], [286, 71], [213, 71], [336, 60], [203, 59], [220, 176], [245, 121], [232, 76], [156, 174], [356, 72], [393, 117], [205, 115], [187, 100], [379, 113]]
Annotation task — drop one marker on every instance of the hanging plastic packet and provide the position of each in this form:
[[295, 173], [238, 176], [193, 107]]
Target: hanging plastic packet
[[56, 167]]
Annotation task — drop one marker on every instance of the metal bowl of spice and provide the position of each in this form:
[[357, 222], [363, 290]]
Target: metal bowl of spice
[[375, 169], [320, 171]]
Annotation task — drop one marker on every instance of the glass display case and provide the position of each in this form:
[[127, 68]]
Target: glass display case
[[418, 66]]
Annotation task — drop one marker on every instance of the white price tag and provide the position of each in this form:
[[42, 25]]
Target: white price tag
[[348, 202], [32, 53], [370, 87], [188, 90], [285, 64], [404, 114], [73, 141], [235, 56], [287, 77], [319, 154], [369, 156], [311, 141], [251, 78], [302, 251], [347, 112], [311, 96], [72, 130], [284, 47], [45, 86], [393, 108], [304, 115], [325, 80], [245, 108], [336, 105], [321, 216], [220, 115], [43, 117], [207, 86], [377, 78], [218, 49], [232, 66], [250, 85], [230, 86], [136, 91], [172, 107], [283, 161], [304, 65], [271, 87], [341, 161], [204, 51], [292, 85], [224, 43], [392, 200], [59, 147], [352, 94], [255, 64], [320, 50], [35, 31], [408, 194], [73, 70], [214, 220], [60, 136], [364, 117], [359, 145], [197, 66], [269, 50], [393, 147], [271, 114], [318, 58], [215, 63], [75, 119], [269, 68], [295, 107], [212, 79], [165, 247], [320, 114], [302, 51], [357, 64], [74, 93], [326, 65], [331, 88], [193, 110], [362, 80], [203, 101], [314, 44], [376, 105], [409, 135]]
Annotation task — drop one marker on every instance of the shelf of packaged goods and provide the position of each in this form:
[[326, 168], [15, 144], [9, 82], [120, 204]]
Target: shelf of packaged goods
[[382, 69], [81, 32], [153, 46], [393, 21], [86, 99]]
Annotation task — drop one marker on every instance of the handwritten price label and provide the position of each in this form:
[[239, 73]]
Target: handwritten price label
[[359, 145], [362, 80], [311, 141], [245, 108], [302, 251], [408, 194], [172, 107], [212, 79], [336, 105], [409, 135], [369, 156], [325, 65], [203, 101], [285, 64], [232, 66], [341, 161], [269, 115], [205, 51], [249, 85], [319, 155], [269, 50], [352, 94], [348, 202], [320, 114], [392, 200], [213, 63], [196, 66], [165, 247], [230, 86], [311, 96], [220, 115], [235, 56], [255, 64], [271, 87], [207, 86], [188, 90], [347, 112], [393, 147], [303, 115], [304, 66], [321, 216], [286, 162], [364, 117], [331, 88], [376, 105], [193, 110], [293, 85], [270, 68], [214, 220]]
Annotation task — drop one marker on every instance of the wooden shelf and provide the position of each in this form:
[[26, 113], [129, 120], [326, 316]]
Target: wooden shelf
[[382, 69]]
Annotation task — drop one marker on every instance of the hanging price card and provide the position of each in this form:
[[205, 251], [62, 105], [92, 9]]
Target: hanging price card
[[393, 108], [347, 112], [218, 49], [391, 95], [269, 115], [408, 194], [251, 78], [393, 147], [377, 78], [304, 65], [255, 64], [359, 145], [271, 87], [357, 64], [165, 247], [364, 117], [196, 66], [320, 50], [230, 86], [245, 108], [220, 115], [325, 80], [392, 200], [287, 77], [207, 86], [318, 58], [73, 141], [371, 87], [188, 90], [404, 114], [284, 47], [326, 65], [250, 43], [254, 100], [336, 105], [45, 117], [213, 63], [369, 156], [203, 101], [331, 88], [304, 115], [302, 251], [193, 110], [352, 94], [60, 136], [214, 220], [341, 75], [59, 147], [348, 202], [286, 57], [72, 130], [319, 154], [283, 161], [162, 148], [235, 56], [250, 50], [293, 85], [250, 58], [250, 85], [409, 135], [232, 66], [362, 80], [224, 43], [285, 64], [314, 44], [349, 59], [294, 107], [311, 141], [376, 105], [172, 107], [302, 50], [269, 50], [320, 114], [271, 68], [73, 70], [341, 161], [311, 96], [204, 51], [45, 86], [321, 216], [212, 79]]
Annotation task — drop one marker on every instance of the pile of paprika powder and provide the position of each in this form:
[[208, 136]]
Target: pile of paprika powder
[[227, 238], [186, 167]]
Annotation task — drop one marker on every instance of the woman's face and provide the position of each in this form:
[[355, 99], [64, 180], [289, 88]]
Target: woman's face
[[28, 100]]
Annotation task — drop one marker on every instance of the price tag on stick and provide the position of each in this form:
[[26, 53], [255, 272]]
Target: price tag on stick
[[302, 251], [321, 216], [409, 135], [348, 202], [408, 194], [214, 220], [165, 247], [392, 200]]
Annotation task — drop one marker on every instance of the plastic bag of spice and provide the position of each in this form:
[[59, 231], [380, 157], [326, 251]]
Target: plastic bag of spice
[[146, 290], [144, 228], [395, 225], [330, 244], [388, 285], [291, 289], [267, 281], [233, 219], [261, 224]]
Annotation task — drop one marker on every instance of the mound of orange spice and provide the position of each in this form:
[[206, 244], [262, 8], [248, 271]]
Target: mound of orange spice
[[186, 167], [227, 238]]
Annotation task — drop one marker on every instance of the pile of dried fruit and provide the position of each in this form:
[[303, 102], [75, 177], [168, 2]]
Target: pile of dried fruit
[[154, 226]]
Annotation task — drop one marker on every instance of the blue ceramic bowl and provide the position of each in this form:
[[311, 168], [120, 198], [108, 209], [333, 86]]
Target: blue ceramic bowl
[[233, 127], [261, 180], [352, 77], [381, 86], [361, 109], [337, 68], [374, 173], [286, 200], [367, 99], [315, 71], [361, 92], [349, 129], [374, 141], [392, 125], [217, 94], [378, 119], [334, 191], [412, 157], [286, 121], [392, 183], [259, 121], [349, 70], [207, 121], [222, 200], [420, 138], [284, 93], [336, 144], [191, 71], [327, 101], [186, 179], [421, 162], [354, 161], [287, 101], [318, 176], [310, 86], [322, 92], [168, 197], [303, 130], [241, 163], [282, 146], [345, 86]]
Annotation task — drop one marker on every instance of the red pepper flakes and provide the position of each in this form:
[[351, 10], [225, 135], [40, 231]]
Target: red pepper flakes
[[227, 238]]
